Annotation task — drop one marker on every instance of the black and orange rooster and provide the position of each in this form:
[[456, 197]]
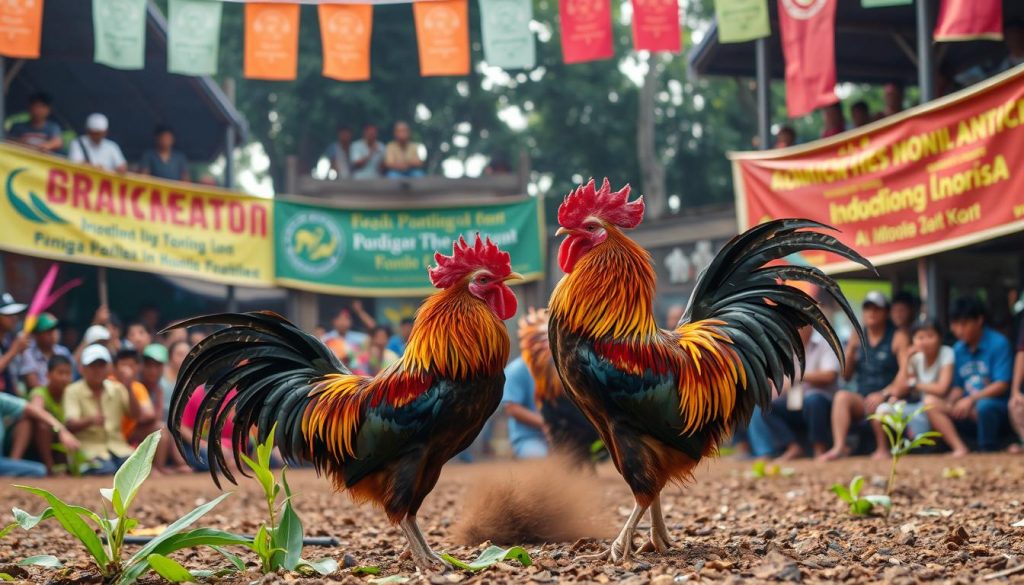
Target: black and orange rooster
[[382, 438], [661, 400]]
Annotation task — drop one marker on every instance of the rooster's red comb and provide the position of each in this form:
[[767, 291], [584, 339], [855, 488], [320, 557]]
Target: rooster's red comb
[[612, 207], [465, 259]]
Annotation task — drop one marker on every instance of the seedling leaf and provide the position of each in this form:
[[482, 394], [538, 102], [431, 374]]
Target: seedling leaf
[[133, 472], [324, 566], [71, 520], [491, 555], [843, 492], [389, 579], [48, 561], [366, 571], [169, 569]]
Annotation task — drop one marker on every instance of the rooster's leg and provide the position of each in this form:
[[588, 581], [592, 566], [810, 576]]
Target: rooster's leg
[[424, 558], [622, 546], [660, 541]]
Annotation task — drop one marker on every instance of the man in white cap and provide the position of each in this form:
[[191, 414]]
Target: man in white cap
[[95, 149], [10, 344]]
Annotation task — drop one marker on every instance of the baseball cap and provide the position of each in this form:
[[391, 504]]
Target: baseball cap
[[155, 352], [46, 322], [95, 353], [876, 299], [96, 334], [96, 123], [8, 306]]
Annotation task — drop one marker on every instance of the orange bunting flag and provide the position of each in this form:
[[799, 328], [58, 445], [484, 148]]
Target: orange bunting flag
[[586, 30], [968, 20], [656, 25], [21, 25], [271, 41], [345, 31], [442, 33]]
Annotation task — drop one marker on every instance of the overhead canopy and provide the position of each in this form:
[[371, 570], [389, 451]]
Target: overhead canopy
[[873, 45], [134, 101]]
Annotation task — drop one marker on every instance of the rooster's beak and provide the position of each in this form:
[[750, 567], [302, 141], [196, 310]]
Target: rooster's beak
[[513, 276], [563, 231]]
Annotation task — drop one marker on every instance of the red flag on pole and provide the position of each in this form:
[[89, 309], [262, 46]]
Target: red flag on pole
[[586, 30], [656, 25], [808, 43], [967, 20]]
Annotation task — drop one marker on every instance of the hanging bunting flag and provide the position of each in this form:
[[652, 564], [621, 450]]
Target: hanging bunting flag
[[508, 40], [884, 3], [271, 41], [656, 25], [586, 30], [21, 25], [442, 33], [740, 21], [119, 31], [809, 47], [968, 20], [193, 36], [345, 31]]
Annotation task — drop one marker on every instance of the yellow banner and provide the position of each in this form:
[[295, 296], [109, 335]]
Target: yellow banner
[[55, 209]]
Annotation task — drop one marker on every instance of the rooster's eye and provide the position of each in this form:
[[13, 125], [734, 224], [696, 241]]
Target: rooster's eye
[[590, 227], [482, 280]]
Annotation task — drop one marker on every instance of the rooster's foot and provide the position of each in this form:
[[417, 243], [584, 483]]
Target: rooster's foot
[[431, 563], [619, 552], [657, 543]]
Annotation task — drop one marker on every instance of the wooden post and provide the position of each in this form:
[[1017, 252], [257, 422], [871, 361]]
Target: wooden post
[[101, 283]]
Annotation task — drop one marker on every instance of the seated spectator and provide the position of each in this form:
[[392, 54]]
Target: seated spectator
[[526, 429], [875, 367], [402, 157], [860, 115], [982, 373], [94, 408], [893, 95], [95, 149], [126, 371], [116, 330], [196, 334], [1017, 394], [367, 155], [9, 311], [31, 365], [17, 413], [176, 354], [339, 154], [49, 398], [785, 137], [400, 339], [137, 336], [801, 411], [343, 328], [904, 311], [163, 161], [376, 356], [832, 120], [154, 359], [40, 131]]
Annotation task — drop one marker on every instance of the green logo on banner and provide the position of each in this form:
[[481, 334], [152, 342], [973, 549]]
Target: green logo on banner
[[313, 243], [38, 211]]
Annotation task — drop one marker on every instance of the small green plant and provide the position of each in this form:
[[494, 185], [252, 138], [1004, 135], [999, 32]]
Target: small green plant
[[491, 555], [760, 470], [894, 423], [278, 541], [860, 505], [114, 523]]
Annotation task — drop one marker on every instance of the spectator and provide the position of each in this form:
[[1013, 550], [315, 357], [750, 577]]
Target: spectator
[[49, 398], [319, 331], [343, 329], [876, 370], [400, 340], [138, 336], [126, 371], [195, 335], [339, 153], [11, 345], [154, 359], [981, 378], [31, 365], [367, 155], [801, 411], [903, 312], [95, 149], [376, 356], [673, 315], [1013, 36], [785, 137], [39, 132], [526, 429], [116, 330], [176, 354], [832, 120], [163, 161], [95, 335], [1016, 404], [95, 407], [402, 156], [17, 412], [859, 114], [150, 317], [893, 95]]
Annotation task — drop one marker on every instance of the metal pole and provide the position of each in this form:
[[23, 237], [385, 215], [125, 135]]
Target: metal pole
[[927, 274], [232, 299], [229, 157], [3, 96], [764, 122]]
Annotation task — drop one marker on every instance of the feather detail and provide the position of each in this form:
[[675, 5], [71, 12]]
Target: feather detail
[[533, 345]]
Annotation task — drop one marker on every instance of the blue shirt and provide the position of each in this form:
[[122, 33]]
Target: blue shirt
[[519, 390], [991, 361], [11, 408], [397, 345]]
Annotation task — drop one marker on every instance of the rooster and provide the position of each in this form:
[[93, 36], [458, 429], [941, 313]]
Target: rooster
[[384, 438], [662, 400]]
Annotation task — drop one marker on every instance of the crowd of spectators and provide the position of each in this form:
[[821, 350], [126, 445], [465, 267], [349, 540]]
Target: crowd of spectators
[[369, 158]]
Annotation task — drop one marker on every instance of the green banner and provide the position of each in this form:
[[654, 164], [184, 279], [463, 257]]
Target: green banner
[[508, 40], [385, 253], [740, 21], [884, 3], [193, 36], [119, 31]]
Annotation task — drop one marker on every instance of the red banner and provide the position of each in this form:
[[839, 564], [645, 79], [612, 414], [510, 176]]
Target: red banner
[[937, 177], [21, 25], [656, 25], [808, 43], [967, 20], [586, 30]]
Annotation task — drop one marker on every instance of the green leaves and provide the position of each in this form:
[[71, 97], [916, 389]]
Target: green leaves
[[287, 536], [860, 506], [133, 473], [48, 561], [169, 569], [493, 554], [71, 520]]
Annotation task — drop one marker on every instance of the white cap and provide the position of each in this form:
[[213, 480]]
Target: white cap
[[96, 123], [96, 334], [95, 353]]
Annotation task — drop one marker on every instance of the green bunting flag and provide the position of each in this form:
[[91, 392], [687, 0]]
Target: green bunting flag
[[193, 36], [740, 21], [508, 40], [884, 3], [119, 29]]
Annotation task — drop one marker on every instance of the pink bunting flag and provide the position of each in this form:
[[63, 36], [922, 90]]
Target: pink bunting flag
[[44, 299]]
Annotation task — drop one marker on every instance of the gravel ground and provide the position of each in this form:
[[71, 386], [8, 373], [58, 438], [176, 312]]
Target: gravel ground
[[727, 525]]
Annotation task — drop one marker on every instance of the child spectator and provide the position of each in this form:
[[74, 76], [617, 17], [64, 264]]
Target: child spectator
[[18, 413], [981, 379], [402, 157], [138, 336], [32, 364], [49, 398], [40, 131], [126, 371]]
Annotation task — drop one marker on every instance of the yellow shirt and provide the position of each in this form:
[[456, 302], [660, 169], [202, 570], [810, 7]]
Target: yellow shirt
[[99, 441], [395, 155]]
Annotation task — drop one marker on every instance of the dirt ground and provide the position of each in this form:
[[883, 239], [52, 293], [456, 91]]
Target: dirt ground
[[727, 526]]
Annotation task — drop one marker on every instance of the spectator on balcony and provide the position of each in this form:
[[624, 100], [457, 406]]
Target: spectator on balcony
[[832, 118], [367, 155], [785, 137], [402, 158], [95, 148], [40, 131], [893, 99], [339, 153], [163, 161], [860, 114]]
